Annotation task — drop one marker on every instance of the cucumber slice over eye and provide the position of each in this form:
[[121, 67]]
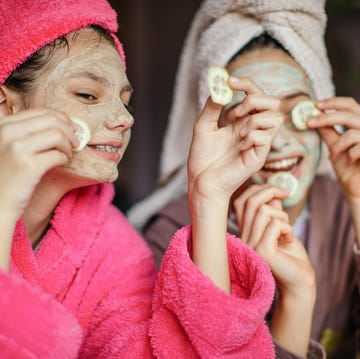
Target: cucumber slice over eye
[[285, 181], [217, 81], [301, 112], [82, 132]]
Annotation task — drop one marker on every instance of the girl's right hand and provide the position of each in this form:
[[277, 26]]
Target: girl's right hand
[[31, 143], [264, 226]]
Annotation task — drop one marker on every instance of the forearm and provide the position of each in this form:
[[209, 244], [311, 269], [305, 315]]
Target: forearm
[[7, 227], [209, 246], [354, 205], [291, 322]]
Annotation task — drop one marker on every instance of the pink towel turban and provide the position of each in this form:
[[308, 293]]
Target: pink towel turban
[[28, 25]]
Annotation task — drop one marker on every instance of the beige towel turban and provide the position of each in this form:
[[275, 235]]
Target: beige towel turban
[[219, 30]]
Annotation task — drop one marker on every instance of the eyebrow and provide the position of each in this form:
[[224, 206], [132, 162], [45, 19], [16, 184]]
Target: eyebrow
[[100, 79], [92, 76], [294, 95]]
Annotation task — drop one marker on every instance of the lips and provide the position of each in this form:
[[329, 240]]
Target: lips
[[108, 148], [285, 164], [112, 146]]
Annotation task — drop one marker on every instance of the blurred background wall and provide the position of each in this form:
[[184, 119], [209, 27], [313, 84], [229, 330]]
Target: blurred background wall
[[152, 32]]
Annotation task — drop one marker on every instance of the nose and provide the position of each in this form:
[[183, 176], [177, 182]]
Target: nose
[[120, 120], [281, 139]]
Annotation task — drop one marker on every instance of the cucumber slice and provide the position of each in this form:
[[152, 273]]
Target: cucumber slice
[[82, 132], [285, 181], [217, 80], [301, 112]]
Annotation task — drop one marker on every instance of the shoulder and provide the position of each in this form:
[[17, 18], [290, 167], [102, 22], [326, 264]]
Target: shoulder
[[329, 212], [175, 211], [326, 195]]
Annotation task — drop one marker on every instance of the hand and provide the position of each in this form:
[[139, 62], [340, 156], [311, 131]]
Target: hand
[[344, 147], [31, 143], [222, 158], [264, 226]]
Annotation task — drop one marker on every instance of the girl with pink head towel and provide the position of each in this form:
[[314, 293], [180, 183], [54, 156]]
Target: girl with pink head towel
[[76, 279]]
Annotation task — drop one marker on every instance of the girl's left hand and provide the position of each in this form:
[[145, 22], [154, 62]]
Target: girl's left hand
[[222, 157], [344, 148]]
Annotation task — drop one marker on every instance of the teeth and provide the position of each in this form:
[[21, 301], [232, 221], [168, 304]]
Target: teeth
[[281, 165], [107, 148]]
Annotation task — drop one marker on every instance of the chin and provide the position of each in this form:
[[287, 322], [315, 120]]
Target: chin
[[291, 202], [87, 178], [102, 179]]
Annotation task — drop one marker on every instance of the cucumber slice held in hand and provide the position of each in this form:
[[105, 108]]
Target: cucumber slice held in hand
[[217, 81], [301, 112], [285, 181], [82, 132]]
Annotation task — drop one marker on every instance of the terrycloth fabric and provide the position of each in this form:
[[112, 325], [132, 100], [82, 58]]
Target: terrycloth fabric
[[329, 239], [176, 303], [218, 31], [28, 25], [87, 291]]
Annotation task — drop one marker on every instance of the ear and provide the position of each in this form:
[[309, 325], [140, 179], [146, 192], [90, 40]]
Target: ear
[[9, 101]]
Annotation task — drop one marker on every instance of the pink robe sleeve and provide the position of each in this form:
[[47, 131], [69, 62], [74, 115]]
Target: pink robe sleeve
[[33, 324], [193, 318]]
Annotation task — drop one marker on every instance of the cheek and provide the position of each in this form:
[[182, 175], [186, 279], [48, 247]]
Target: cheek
[[312, 144]]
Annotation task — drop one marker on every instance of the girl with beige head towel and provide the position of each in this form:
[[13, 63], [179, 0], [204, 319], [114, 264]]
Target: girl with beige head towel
[[280, 45]]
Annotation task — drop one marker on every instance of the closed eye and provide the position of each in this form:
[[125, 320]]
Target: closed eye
[[86, 96]]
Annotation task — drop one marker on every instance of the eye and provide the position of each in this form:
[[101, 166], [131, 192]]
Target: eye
[[86, 96]]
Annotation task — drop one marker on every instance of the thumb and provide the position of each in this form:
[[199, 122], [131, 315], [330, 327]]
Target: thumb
[[210, 114]]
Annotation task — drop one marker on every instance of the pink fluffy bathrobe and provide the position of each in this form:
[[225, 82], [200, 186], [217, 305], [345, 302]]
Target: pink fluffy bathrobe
[[90, 289]]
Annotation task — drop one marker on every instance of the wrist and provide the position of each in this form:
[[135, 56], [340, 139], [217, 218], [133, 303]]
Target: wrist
[[303, 296], [201, 204], [7, 226], [291, 321], [354, 206]]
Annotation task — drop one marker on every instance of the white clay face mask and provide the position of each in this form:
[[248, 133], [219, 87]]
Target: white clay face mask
[[280, 79], [275, 78], [87, 86]]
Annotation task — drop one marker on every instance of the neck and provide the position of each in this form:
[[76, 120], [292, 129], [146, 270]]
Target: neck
[[295, 211], [41, 207]]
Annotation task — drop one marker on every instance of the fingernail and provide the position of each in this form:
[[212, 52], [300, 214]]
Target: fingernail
[[312, 121], [234, 80]]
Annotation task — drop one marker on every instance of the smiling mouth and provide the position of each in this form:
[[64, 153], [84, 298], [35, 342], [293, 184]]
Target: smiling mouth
[[285, 165], [106, 148]]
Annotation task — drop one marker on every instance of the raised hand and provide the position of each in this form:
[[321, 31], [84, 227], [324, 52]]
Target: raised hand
[[31, 143], [344, 148], [264, 226], [223, 157]]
